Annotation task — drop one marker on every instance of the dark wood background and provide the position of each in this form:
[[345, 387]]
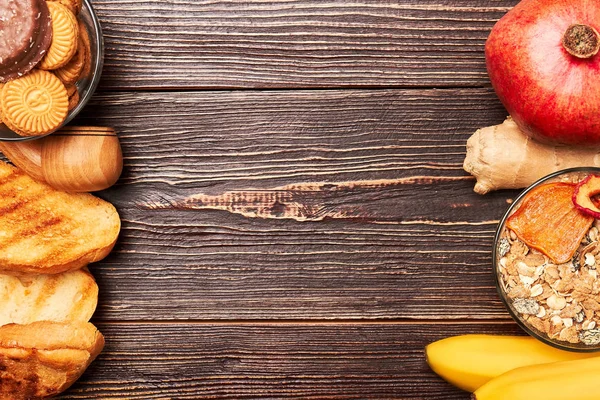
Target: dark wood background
[[296, 220]]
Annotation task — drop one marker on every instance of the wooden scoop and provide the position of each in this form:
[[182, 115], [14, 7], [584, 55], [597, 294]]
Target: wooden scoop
[[74, 159]]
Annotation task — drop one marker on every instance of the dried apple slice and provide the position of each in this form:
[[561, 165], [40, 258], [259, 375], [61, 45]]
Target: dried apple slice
[[548, 221], [584, 193]]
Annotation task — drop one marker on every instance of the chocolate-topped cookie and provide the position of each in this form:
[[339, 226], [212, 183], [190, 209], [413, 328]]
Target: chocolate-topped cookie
[[25, 34]]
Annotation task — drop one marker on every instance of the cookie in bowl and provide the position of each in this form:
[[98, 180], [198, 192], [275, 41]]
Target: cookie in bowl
[[58, 51]]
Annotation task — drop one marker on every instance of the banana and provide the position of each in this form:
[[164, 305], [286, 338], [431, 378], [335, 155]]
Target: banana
[[567, 380], [470, 361]]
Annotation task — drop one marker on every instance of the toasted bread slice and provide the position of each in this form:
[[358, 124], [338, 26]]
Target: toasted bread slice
[[42, 359], [46, 231], [64, 297]]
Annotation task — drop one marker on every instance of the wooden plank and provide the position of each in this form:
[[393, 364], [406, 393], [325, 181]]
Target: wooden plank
[[296, 44], [213, 265], [212, 143], [223, 218], [186, 361]]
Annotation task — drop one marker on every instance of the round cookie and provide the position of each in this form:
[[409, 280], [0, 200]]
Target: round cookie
[[65, 37], [84, 37], [73, 5], [35, 104], [25, 35], [71, 89], [73, 100], [70, 73]]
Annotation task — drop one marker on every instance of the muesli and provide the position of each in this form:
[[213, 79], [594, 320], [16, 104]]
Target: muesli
[[548, 254]]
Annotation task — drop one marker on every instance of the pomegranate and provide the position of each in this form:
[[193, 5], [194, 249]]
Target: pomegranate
[[542, 58]]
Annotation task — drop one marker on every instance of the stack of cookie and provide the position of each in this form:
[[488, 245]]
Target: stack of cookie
[[47, 52]]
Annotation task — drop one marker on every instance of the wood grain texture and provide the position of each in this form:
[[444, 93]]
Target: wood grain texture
[[215, 142], [305, 201], [214, 265], [293, 44], [417, 247], [184, 361]]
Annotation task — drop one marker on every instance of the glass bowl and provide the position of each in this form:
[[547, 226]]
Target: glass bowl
[[87, 85], [568, 175]]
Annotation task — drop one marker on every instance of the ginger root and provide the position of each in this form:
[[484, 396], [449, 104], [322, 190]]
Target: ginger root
[[502, 157]]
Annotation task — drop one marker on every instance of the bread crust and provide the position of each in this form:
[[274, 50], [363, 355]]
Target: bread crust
[[42, 359], [69, 296], [46, 231]]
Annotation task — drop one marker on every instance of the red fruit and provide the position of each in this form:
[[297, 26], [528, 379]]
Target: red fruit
[[543, 63], [583, 197]]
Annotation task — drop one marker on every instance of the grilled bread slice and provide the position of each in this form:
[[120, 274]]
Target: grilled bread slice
[[46, 231], [64, 297], [42, 359]]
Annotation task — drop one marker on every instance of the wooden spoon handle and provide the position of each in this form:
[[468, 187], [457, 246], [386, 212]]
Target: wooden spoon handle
[[74, 159], [25, 155]]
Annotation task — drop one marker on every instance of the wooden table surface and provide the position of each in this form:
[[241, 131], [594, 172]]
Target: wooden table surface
[[296, 220]]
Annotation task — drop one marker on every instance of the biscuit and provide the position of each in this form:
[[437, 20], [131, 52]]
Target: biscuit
[[25, 36], [35, 104], [70, 90], [84, 37], [73, 5], [70, 73], [65, 37], [73, 100]]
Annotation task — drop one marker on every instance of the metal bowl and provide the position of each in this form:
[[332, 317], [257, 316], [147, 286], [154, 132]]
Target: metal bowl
[[87, 85], [578, 173]]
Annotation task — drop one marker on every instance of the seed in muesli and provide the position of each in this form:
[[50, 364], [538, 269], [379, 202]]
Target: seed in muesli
[[591, 337], [503, 247], [526, 306]]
